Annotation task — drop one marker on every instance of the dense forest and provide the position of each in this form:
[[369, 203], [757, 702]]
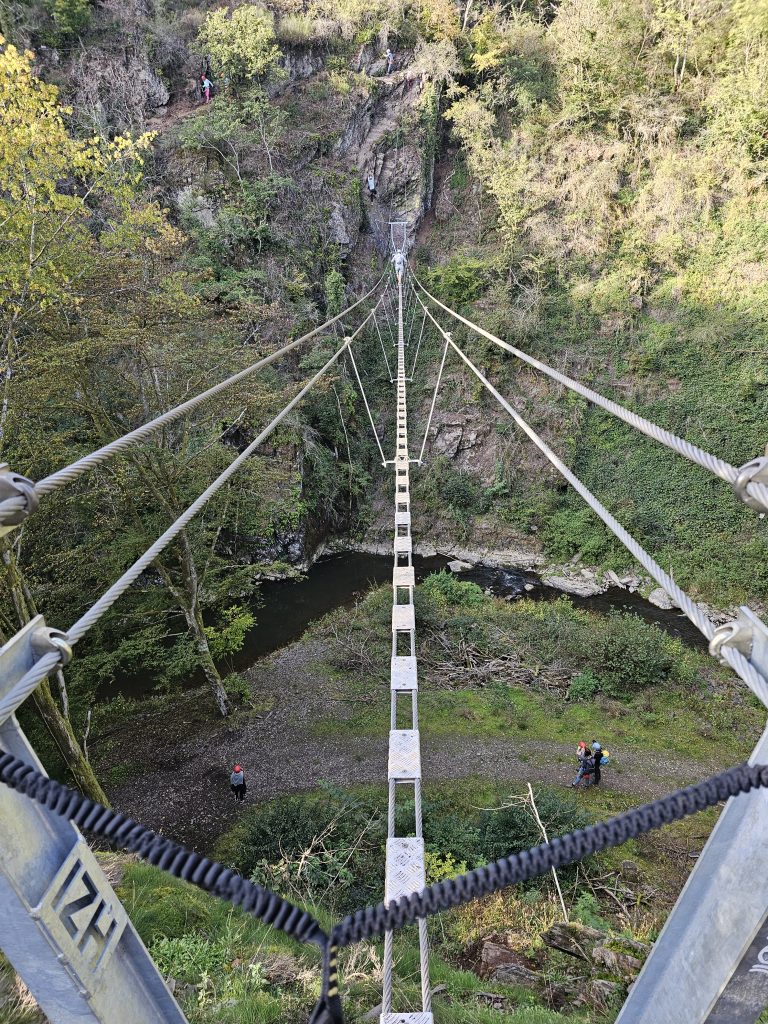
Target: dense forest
[[586, 179]]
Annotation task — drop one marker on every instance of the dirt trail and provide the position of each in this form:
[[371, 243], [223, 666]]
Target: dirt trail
[[185, 760]]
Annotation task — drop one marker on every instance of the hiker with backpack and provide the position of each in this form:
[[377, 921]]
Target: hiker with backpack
[[601, 759], [371, 185]]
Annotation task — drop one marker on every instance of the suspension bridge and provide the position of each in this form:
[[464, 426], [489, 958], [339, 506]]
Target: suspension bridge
[[64, 929]]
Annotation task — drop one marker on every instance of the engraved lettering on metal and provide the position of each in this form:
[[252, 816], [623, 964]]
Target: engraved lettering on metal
[[762, 962], [84, 922]]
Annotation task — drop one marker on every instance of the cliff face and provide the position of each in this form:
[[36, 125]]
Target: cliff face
[[270, 185]]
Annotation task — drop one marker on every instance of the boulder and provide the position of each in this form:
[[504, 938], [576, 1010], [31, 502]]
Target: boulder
[[623, 965], [661, 598], [575, 939], [630, 871], [458, 566], [599, 993]]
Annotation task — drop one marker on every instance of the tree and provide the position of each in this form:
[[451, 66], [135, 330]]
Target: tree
[[242, 45]]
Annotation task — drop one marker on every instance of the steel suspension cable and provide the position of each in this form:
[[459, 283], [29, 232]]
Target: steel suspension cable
[[19, 693], [72, 472], [434, 400], [717, 466], [738, 662], [367, 407], [383, 350], [418, 346]]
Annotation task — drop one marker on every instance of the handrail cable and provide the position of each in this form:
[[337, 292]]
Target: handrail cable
[[69, 473], [418, 346], [738, 662], [383, 350], [46, 664], [434, 400], [739, 478], [367, 407]]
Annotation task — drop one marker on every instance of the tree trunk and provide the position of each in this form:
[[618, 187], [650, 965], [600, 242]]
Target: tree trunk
[[208, 665], [187, 597], [57, 724], [66, 741]]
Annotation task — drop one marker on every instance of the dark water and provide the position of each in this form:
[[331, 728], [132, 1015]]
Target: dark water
[[287, 607]]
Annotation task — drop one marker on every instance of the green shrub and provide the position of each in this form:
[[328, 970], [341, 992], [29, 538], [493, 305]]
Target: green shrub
[[188, 957], [459, 281], [628, 654], [586, 910], [514, 828], [242, 45], [444, 587], [584, 686]]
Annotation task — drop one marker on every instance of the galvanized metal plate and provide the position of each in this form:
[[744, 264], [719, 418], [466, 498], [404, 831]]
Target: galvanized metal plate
[[405, 868], [403, 618], [404, 754], [404, 674], [403, 576], [82, 915], [403, 544], [406, 1018]]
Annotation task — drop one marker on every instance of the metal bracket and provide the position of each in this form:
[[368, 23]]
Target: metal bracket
[[748, 634], [62, 927], [18, 499], [753, 472]]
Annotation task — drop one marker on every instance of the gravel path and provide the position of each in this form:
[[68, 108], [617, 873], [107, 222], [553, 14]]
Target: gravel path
[[186, 755]]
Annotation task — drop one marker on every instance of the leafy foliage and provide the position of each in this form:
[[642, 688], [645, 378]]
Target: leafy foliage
[[241, 43]]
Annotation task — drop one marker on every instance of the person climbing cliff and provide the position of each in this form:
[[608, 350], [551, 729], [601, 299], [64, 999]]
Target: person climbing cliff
[[371, 186], [237, 783], [390, 61]]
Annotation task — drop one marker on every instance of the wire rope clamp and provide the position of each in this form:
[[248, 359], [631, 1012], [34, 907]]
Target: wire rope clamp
[[753, 472], [18, 499], [748, 634]]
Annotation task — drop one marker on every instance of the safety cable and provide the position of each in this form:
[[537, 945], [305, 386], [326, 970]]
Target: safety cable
[[76, 469], [418, 346], [42, 668], [371, 922], [738, 662], [434, 400], [383, 350], [367, 407], [739, 478]]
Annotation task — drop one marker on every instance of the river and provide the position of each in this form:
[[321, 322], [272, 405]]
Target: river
[[285, 608]]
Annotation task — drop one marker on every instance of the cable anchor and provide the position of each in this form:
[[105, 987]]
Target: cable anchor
[[753, 472], [747, 634], [18, 499], [47, 640]]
